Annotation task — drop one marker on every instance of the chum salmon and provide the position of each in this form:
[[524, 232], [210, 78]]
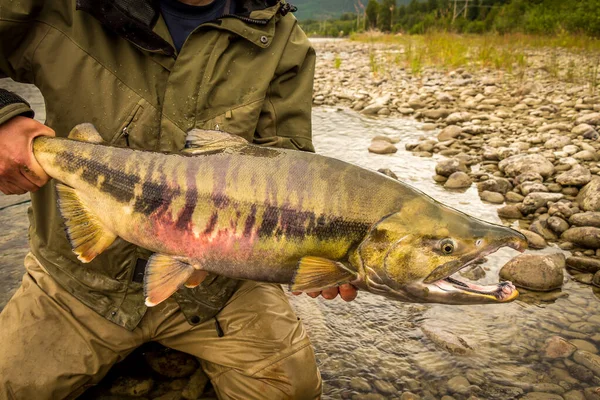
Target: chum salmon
[[225, 206]]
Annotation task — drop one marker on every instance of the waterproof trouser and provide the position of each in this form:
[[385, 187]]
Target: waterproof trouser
[[54, 347]]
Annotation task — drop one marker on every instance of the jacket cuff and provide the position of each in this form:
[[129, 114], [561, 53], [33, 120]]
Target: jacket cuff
[[12, 105]]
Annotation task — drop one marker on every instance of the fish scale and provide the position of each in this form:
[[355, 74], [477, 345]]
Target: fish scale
[[248, 212]]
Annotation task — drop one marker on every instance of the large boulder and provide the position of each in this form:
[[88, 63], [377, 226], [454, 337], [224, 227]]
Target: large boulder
[[382, 147], [449, 132], [533, 201], [449, 166], [584, 264], [584, 236], [519, 164], [576, 176], [458, 180], [535, 272], [590, 218], [589, 196]]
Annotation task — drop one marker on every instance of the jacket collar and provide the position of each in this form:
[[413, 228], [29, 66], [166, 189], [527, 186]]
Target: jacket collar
[[134, 20]]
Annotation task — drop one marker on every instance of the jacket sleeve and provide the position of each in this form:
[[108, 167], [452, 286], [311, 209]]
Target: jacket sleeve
[[285, 119], [19, 36]]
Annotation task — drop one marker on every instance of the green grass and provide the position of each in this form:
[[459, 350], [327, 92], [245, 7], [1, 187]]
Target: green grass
[[337, 62], [511, 53]]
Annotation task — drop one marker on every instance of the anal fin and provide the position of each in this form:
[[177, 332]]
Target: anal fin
[[196, 279], [317, 273], [86, 233], [164, 276]]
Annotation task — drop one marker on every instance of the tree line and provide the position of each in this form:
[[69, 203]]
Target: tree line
[[546, 17]]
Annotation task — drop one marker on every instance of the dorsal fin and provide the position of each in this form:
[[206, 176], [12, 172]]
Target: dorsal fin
[[199, 141], [85, 133]]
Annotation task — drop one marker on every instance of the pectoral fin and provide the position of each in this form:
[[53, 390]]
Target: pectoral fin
[[316, 273], [86, 233], [164, 275]]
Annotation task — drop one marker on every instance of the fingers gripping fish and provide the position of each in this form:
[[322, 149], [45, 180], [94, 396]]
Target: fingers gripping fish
[[228, 207]]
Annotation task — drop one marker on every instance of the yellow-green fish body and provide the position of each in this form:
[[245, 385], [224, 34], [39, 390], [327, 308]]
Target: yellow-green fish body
[[273, 215]]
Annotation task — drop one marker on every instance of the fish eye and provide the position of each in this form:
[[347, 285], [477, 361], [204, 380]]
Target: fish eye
[[478, 242], [447, 246]]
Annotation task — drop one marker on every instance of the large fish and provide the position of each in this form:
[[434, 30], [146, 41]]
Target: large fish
[[235, 209]]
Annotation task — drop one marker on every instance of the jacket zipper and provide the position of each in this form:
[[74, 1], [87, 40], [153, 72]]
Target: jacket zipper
[[125, 130]]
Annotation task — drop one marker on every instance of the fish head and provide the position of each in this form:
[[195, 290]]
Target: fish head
[[411, 255]]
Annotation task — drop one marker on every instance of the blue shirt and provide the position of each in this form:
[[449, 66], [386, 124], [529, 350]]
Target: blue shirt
[[183, 18]]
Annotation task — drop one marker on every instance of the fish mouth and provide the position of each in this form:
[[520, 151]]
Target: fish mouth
[[502, 292], [444, 288]]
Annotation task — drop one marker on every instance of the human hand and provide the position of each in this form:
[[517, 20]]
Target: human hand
[[346, 291], [19, 170]]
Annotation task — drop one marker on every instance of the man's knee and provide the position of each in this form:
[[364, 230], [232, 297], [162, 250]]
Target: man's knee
[[292, 376]]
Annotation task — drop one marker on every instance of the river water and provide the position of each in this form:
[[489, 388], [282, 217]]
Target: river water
[[377, 348]]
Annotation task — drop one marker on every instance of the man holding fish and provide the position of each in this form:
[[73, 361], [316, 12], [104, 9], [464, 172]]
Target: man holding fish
[[145, 73]]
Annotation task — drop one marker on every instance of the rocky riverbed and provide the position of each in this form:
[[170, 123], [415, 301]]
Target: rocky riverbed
[[477, 140]]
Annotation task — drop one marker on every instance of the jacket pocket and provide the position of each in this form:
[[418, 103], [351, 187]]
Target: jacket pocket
[[121, 137], [241, 120]]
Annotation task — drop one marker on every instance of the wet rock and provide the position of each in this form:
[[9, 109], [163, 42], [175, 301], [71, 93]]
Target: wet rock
[[458, 384], [590, 119], [440, 178], [170, 363], [492, 197], [548, 388], [557, 224], [129, 386], [519, 164], [586, 155], [589, 218], [449, 132], [534, 240], [592, 393], [533, 201], [450, 166], [388, 172], [589, 196], [558, 347], [584, 345], [574, 395], [584, 264], [581, 373], [532, 187], [583, 129], [458, 117], [541, 396], [382, 147], [473, 273], [540, 226], [596, 279], [529, 177], [169, 396], [458, 180], [576, 176], [514, 197], [360, 384], [589, 360], [535, 272], [510, 211], [447, 340], [498, 185], [585, 236], [368, 396], [385, 387], [409, 396]]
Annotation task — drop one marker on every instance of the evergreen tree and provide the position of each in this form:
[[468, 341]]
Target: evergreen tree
[[372, 11]]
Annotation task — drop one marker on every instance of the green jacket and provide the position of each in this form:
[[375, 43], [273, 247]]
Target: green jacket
[[112, 63]]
